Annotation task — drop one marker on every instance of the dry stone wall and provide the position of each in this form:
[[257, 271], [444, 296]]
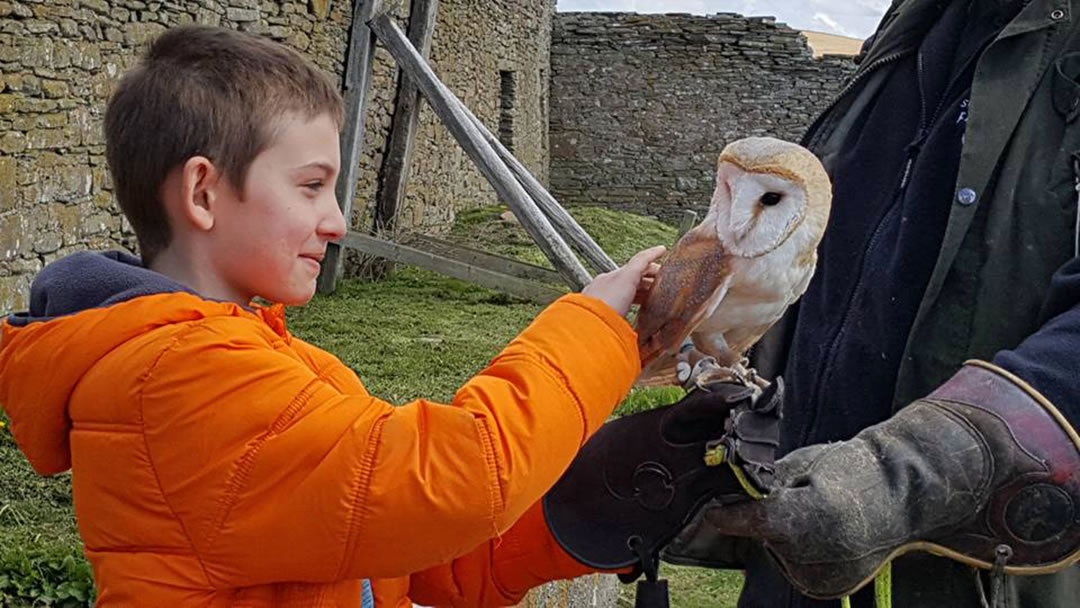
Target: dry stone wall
[[642, 105], [59, 58]]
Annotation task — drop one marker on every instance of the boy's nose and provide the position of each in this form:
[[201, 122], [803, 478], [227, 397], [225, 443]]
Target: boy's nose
[[333, 226]]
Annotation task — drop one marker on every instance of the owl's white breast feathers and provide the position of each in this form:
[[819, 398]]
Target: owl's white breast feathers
[[761, 290]]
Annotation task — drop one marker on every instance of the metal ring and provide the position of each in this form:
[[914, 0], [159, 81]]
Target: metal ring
[[1057, 14]]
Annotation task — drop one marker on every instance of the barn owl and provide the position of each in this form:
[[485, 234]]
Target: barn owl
[[732, 277]]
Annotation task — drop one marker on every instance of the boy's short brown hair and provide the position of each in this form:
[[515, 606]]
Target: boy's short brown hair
[[202, 91]]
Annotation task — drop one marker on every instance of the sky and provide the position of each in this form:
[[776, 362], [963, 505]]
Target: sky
[[855, 18]]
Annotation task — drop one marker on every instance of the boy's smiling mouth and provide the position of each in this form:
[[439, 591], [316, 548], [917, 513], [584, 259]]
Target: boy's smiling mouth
[[315, 258]]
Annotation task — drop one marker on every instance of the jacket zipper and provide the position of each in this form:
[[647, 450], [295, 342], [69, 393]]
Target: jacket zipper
[[1076, 186], [859, 77], [924, 124], [915, 146], [913, 149], [834, 343]]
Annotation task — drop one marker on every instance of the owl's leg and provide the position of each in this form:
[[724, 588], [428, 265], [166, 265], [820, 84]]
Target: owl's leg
[[696, 369], [714, 345], [689, 363], [722, 364]]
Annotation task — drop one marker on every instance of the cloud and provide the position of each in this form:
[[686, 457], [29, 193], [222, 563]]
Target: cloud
[[831, 26]]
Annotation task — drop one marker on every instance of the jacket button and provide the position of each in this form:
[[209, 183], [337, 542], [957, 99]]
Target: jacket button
[[1057, 15], [966, 196]]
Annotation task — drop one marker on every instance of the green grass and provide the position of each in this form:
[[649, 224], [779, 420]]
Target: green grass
[[40, 553], [416, 334], [695, 587], [413, 334], [620, 234]]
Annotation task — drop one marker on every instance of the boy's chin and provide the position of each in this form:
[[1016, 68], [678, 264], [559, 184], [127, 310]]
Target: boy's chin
[[299, 300], [291, 297]]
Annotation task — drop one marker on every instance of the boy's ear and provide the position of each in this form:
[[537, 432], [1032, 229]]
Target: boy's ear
[[200, 190]]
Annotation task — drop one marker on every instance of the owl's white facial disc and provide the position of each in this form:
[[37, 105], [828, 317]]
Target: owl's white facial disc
[[755, 212]]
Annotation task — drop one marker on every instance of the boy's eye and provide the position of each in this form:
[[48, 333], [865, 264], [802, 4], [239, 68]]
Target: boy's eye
[[314, 186]]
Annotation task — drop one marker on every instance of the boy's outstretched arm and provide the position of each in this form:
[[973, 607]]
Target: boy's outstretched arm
[[499, 572], [301, 476]]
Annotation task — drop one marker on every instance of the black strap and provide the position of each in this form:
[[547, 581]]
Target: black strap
[[651, 592]]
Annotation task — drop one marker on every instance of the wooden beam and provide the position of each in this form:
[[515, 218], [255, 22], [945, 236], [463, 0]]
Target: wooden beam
[[380, 8], [358, 70], [687, 221], [484, 259], [560, 218], [448, 108], [395, 170], [529, 290]]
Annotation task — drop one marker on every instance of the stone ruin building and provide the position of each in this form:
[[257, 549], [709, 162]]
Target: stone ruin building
[[623, 110]]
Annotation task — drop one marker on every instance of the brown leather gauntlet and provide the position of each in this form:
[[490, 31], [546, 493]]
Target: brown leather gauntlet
[[984, 471]]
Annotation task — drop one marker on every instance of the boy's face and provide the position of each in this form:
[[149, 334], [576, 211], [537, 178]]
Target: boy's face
[[269, 242]]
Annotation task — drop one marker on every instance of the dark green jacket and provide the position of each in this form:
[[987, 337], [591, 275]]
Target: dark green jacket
[[991, 283], [1021, 136]]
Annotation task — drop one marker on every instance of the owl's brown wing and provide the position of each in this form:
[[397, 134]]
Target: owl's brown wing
[[691, 283]]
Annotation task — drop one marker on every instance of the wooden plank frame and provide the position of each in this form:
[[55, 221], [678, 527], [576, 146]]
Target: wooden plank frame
[[358, 75], [483, 259], [395, 169], [530, 290], [533, 205], [449, 109], [560, 218], [687, 221]]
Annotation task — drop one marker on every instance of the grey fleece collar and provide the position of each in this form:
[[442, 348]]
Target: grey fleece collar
[[86, 280]]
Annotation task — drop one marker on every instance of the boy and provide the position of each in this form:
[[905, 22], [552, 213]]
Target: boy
[[220, 461]]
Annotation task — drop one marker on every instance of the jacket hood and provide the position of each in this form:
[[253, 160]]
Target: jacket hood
[[81, 308], [86, 280]]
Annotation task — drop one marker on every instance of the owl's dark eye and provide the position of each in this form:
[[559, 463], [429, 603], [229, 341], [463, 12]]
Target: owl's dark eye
[[771, 198]]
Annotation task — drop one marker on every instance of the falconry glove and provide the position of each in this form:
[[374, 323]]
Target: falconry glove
[[642, 477], [984, 471]]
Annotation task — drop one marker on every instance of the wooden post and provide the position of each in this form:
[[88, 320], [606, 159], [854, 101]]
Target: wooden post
[[687, 221], [560, 218], [357, 83], [395, 170], [448, 108]]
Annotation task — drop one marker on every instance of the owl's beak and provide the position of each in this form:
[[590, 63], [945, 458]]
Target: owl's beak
[[740, 217], [728, 181]]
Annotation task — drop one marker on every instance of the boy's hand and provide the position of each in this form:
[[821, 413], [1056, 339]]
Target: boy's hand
[[624, 286]]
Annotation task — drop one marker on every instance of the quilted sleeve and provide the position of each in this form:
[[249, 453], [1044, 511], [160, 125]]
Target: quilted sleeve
[[277, 475]]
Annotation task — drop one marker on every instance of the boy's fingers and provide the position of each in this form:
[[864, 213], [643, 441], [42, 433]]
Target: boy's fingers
[[642, 259]]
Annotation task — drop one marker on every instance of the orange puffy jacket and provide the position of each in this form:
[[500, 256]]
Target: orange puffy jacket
[[219, 461]]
